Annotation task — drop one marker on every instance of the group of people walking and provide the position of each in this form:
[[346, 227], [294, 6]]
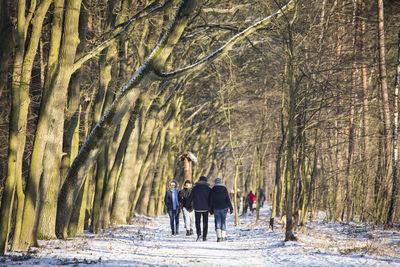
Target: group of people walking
[[196, 203]]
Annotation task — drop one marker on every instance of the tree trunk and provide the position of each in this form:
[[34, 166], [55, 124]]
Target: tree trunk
[[384, 89], [72, 112], [290, 172], [51, 177], [389, 220], [26, 236], [349, 169], [339, 137], [99, 178], [109, 193], [120, 207], [7, 35]]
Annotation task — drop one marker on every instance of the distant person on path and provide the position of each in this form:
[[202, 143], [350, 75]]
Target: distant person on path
[[172, 203], [219, 203], [251, 199], [199, 196], [187, 207], [262, 198]]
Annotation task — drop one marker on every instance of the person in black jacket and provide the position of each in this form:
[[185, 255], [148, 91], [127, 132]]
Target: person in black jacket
[[219, 203], [187, 207], [173, 207], [199, 196]]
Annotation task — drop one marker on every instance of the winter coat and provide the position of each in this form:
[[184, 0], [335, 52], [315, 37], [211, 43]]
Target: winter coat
[[199, 196], [262, 195], [219, 199], [251, 197], [183, 197], [168, 200]]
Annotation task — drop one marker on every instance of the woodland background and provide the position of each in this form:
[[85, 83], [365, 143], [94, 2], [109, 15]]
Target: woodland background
[[99, 98]]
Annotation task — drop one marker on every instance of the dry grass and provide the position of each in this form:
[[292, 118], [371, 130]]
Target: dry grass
[[364, 242]]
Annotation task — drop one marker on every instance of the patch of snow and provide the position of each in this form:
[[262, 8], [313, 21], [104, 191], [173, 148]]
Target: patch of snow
[[148, 242]]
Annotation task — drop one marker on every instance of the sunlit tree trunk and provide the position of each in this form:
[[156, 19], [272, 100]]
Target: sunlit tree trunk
[[7, 34], [24, 76], [109, 192], [120, 207], [167, 162], [339, 111], [290, 168], [389, 220], [72, 112], [350, 152], [278, 177], [384, 89]]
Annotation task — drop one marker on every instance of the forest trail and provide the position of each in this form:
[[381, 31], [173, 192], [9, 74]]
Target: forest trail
[[148, 242]]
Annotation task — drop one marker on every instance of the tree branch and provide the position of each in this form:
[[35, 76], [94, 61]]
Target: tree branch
[[227, 46], [125, 28]]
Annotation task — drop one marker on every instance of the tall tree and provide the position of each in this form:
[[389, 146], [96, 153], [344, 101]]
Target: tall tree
[[389, 220], [384, 87]]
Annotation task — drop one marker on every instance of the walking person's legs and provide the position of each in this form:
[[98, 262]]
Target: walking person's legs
[[191, 222], [223, 224], [176, 221], [205, 225], [186, 219], [218, 223], [171, 221], [198, 229]]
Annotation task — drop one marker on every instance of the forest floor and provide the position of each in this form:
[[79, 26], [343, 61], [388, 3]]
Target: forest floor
[[148, 242]]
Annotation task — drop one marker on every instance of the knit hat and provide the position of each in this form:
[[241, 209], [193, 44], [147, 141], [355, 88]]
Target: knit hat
[[203, 178], [187, 182], [218, 181]]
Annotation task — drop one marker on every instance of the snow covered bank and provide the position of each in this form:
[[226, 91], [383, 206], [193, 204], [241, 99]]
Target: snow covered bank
[[148, 242]]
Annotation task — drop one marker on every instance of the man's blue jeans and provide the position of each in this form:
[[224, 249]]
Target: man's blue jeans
[[220, 219], [174, 220]]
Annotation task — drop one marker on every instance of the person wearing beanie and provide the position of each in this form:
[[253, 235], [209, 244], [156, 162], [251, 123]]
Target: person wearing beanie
[[173, 208], [199, 197], [219, 203], [187, 207]]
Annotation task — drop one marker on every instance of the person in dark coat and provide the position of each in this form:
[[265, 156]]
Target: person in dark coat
[[199, 196], [219, 203], [173, 207], [187, 207], [262, 198]]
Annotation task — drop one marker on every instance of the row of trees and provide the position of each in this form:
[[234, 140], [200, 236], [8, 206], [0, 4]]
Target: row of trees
[[101, 97]]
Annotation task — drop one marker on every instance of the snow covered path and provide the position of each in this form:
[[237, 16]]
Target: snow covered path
[[148, 242]]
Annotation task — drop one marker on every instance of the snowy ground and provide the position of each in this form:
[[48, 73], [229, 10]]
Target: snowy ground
[[148, 242]]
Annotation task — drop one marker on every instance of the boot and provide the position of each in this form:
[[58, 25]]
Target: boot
[[219, 235], [198, 238], [223, 235], [191, 231], [187, 232], [173, 232]]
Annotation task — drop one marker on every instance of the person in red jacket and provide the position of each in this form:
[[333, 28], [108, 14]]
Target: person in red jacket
[[252, 198]]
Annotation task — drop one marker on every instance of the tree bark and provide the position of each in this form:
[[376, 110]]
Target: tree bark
[[339, 111], [389, 220], [350, 152], [384, 89], [22, 85]]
